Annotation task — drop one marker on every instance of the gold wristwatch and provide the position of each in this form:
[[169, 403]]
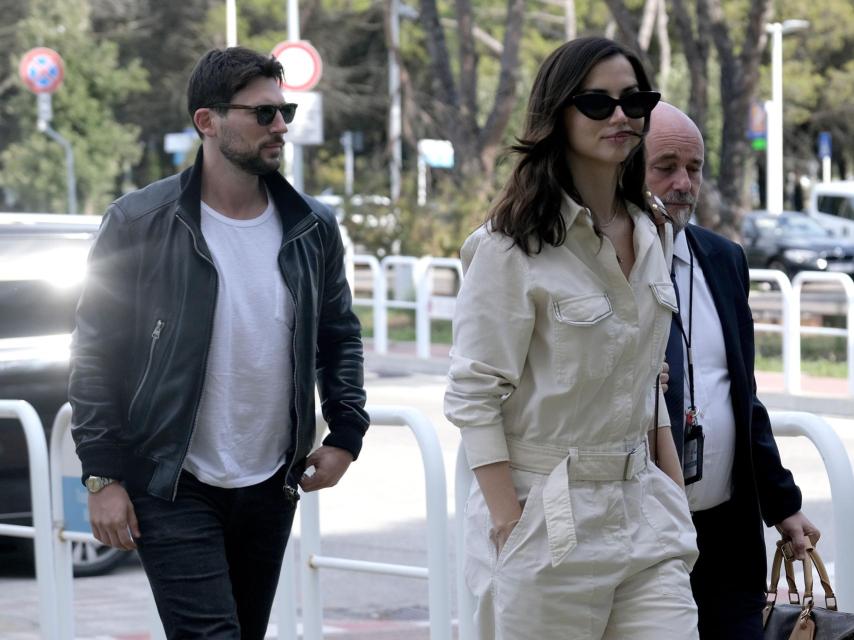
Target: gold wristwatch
[[95, 483]]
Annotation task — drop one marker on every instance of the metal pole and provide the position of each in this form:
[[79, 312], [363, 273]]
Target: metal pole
[[294, 36], [347, 143], [231, 23], [395, 111], [775, 123], [42, 521], [838, 467], [71, 179]]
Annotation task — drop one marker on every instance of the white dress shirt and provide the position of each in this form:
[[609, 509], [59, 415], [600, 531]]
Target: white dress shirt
[[711, 382]]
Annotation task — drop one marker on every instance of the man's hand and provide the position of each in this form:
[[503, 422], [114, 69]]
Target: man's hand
[[797, 528], [112, 517], [664, 376], [329, 464]]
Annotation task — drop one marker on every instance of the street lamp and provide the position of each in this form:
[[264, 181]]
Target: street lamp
[[774, 111]]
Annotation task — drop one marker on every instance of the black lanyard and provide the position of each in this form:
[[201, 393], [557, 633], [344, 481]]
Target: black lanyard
[[677, 318]]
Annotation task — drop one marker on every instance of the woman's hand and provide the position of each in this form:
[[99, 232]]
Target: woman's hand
[[500, 533], [496, 484], [664, 376]]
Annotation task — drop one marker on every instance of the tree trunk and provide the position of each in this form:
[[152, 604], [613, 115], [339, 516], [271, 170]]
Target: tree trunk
[[475, 147], [739, 80], [695, 47]]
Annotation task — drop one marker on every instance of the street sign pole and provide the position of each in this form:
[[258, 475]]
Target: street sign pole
[[296, 149], [825, 153], [42, 71]]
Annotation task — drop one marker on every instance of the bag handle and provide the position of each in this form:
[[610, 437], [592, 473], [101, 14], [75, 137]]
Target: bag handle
[[785, 556], [813, 560]]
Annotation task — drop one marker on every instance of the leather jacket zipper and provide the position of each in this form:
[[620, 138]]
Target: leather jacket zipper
[[292, 493], [155, 336], [204, 362]]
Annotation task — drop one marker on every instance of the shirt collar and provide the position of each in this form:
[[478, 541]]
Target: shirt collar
[[680, 248], [571, 210]]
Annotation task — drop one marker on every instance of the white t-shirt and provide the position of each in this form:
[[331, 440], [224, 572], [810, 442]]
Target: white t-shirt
[[243, 426]]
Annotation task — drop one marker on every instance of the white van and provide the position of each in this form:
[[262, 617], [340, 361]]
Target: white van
[[832, 206]]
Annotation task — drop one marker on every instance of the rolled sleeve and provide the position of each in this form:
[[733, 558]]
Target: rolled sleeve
[[493, 324]]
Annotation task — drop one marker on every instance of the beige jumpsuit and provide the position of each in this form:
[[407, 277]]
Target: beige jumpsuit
[[553, 368]]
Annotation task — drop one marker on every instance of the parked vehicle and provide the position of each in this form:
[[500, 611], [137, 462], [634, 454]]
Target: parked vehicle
[[832, 206], [791, 242], [42, 265]]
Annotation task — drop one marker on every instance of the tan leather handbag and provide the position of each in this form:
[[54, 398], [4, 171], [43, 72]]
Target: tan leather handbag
[[801, 619]]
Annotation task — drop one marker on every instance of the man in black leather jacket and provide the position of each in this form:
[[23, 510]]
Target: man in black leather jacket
[[215, 301]]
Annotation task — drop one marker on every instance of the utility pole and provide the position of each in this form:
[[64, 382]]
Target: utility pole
[[395, 110]]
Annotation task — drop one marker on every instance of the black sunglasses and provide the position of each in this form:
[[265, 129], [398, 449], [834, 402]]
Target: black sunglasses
[[599, 106], [265, 113]]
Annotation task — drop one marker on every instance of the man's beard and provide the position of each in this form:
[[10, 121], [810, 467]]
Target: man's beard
[[680, 216], [249, 161]]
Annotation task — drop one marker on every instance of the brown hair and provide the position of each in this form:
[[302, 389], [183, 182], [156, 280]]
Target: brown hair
[[528, 208], [221, 73]]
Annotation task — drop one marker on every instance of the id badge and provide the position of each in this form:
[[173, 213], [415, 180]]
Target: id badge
[[692, 465]]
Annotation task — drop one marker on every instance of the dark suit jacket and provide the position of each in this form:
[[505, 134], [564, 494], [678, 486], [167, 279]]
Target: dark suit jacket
[[762, 488]]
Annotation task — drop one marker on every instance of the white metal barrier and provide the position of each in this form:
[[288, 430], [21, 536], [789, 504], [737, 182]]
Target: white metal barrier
[[783, 424], [423, 298], [377, 301], [40, 532], [62, 538], [789, 327], [848, 286], [436, 573], [841, 477], [422, 270]]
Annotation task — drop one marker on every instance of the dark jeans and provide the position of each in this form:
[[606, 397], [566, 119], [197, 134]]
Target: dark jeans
[[213, 556], [726, 610]]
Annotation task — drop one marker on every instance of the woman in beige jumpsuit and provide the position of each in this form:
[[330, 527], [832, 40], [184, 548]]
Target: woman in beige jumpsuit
[[573, 532]]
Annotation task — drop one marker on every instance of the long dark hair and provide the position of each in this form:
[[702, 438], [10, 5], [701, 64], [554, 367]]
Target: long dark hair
[[528, 209]]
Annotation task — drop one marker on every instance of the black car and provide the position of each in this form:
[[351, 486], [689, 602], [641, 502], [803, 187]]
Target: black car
[[42, 266], [791, 242]]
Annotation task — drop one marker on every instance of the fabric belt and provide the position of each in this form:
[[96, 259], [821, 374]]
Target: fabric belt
[[564, 464]]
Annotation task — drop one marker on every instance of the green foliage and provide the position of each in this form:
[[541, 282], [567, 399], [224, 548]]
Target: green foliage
[[438, 228], [33, 167], [128, 63], [818, 80]]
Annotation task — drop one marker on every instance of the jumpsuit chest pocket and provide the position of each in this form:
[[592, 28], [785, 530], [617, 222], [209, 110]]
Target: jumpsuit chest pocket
[[585, 336], [666, 304]]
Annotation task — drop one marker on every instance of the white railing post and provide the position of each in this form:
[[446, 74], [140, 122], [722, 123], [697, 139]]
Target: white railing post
[[791, 319], [436, 572], [848, 286], [379, 298], [425, 292], [466, 602], [40, 497], [841, 477], [386, 265], [422, 308], [61, 545], [286, 596], [312, 603]]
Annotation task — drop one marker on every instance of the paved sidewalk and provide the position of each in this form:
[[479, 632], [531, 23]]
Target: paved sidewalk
[[361, 606]]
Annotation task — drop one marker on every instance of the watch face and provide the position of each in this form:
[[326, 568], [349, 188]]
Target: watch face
[[95, 483]]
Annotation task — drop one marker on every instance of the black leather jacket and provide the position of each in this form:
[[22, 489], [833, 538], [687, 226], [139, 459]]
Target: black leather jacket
[[144, 326]]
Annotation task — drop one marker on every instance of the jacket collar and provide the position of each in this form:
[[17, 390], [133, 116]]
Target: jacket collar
[[289, 203]]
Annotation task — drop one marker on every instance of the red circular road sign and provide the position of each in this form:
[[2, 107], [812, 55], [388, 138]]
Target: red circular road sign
[[302, 64], [42, 70]]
